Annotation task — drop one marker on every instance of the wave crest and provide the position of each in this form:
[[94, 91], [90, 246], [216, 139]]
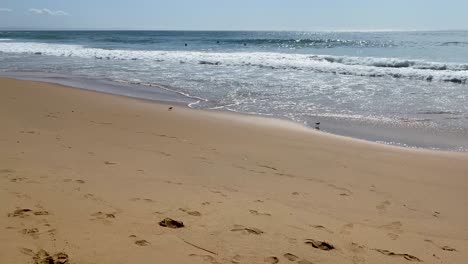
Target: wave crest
[[357, 66]]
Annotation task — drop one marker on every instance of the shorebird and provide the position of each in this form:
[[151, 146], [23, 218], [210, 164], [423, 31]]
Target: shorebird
[[317, 125]]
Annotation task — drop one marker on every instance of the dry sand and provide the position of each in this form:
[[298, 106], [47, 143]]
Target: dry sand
[[99, 172]]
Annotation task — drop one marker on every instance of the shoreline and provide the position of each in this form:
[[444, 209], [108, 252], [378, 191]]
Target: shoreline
[[387, 135], [81, 168]]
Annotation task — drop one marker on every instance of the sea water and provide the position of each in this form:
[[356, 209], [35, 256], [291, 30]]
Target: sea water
[[403, 88]]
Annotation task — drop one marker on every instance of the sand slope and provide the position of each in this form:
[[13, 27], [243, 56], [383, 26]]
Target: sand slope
[[98, 172]]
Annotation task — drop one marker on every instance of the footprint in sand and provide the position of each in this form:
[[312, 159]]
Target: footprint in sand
[[175, 183], [43, 257], [93, 197], [192, 213], [104, 217], [271, 260], [218, 192], [322, 245], [382, 207], [290, 257], [357, 249], [33, 232], [26, 212], [165, 154], [395, 228], [136, 199], [445, 248], [255, 212], [321, 227], [236, 259], [18, 179], [247, 230], [142, 243], [393, 254]]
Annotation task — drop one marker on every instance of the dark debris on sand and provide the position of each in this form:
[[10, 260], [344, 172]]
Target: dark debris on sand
[[171, 223], [42, 257]]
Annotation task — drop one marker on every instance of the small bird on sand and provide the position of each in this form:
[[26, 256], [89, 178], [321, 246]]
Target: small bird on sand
[[170, 108], [317, 125]]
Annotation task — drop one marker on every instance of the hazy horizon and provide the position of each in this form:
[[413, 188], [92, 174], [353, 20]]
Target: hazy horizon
[[242, 15], [230, 30]]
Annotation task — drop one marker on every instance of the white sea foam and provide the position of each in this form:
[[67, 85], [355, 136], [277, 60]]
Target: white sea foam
[[357, 66]]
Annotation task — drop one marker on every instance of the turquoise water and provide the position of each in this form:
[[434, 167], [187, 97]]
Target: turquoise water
[[408, 88]]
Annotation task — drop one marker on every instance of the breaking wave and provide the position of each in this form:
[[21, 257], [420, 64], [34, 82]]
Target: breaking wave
[[342, 65]]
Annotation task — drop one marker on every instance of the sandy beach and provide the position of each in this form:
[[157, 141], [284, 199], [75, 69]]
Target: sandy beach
[[90, 177]]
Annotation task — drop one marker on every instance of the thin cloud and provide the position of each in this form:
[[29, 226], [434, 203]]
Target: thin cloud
[[45, 11], [6, 10]]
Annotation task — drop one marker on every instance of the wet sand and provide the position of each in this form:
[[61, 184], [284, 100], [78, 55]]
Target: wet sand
[[93, 178]]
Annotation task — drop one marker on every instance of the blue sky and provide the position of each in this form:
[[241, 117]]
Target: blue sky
[[236, 14]]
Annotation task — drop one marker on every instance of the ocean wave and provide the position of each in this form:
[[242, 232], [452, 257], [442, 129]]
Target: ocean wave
[[316, 43], [436, 112], [454, 43], [341, 65], [392, 63]]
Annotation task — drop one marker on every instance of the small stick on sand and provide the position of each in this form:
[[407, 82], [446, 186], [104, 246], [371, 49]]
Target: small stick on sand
[[193, 245]]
